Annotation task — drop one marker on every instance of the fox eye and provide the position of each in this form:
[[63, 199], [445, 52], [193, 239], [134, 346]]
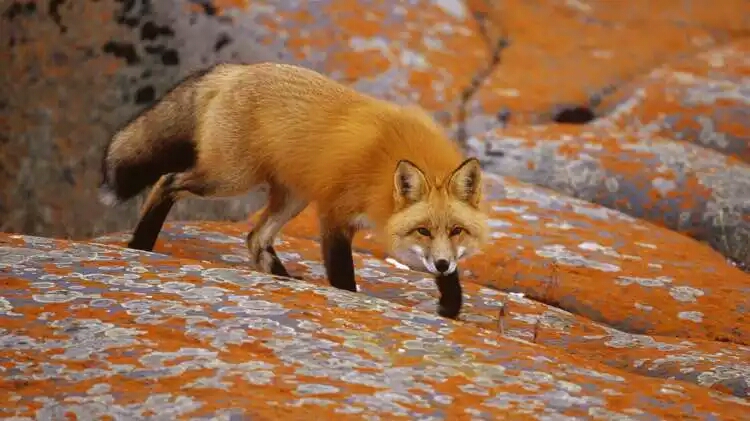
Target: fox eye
[[424, 231], [456, 230]]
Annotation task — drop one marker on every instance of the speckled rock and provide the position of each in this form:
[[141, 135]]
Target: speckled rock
[[702, 99], [670, 146], [566, 54], [103, 74], [76, 71], [403, 51], [96, 331], [601, 284], [679, 185]]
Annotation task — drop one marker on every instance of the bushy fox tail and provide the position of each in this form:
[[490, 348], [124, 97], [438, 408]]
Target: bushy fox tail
[[158, 141]]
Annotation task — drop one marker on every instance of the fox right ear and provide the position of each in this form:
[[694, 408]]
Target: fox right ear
[[466, 181], [409, 183]]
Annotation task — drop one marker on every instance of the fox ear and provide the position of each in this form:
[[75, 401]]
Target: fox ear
[[409, 182], [465, 183]]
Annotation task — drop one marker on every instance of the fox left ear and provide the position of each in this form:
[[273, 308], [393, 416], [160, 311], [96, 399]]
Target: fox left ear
[[465, 182]]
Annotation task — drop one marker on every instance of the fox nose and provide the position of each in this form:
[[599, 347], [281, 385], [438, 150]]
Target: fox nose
[[442, 265]]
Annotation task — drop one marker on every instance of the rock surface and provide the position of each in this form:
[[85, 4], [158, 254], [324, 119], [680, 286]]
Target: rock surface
[[98, 330], [622, 185], [618, 290]]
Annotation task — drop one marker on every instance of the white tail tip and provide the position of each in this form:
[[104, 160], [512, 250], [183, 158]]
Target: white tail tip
[[107, 197]]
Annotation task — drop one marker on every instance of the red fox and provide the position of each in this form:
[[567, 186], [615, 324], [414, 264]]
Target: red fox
[[365, 162]]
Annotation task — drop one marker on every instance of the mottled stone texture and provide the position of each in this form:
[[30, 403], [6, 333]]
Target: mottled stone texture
[[79, 70], [616, 136], [100, 331]]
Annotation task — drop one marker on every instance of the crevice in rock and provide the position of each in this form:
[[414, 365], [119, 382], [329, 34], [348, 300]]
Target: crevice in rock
[[574, 115], [222, 42], [496, 48]]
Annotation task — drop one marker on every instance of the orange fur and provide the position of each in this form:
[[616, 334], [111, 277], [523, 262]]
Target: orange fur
[[313, 140]]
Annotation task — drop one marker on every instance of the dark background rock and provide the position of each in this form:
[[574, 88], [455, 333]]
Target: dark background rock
[[75, 72]]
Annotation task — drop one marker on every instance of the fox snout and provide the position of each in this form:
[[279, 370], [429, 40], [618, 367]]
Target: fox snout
[[440, 265], [439, 261]]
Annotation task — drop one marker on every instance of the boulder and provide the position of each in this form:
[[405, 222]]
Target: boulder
[[93, 330], [596, 282], [615, 140]]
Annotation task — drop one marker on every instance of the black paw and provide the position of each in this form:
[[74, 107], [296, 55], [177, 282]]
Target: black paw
[[450, 313], [138, 244]]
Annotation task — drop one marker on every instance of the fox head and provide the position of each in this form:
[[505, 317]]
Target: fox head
[[437, 222]]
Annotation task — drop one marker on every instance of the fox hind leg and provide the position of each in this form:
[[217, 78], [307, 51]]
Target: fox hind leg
[[281, 208], [153, 214], [164, 194]]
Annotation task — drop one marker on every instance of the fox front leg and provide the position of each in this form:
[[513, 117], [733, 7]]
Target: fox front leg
[[451, 295], [336, 245]]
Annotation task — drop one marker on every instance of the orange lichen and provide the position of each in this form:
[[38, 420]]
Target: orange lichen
[[578, 58], [604, 293]]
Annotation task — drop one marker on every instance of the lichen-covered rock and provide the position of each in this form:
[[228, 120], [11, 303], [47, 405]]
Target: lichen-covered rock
[[614, 292], [423, 51], [605, 285], [702, 99], [96, 331], [601, 264], [671, 147], [72, 74], [682, 186], [566, 54]]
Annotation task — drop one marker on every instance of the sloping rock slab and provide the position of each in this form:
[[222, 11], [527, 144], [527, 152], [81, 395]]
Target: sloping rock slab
[[565, 54], [423, 51], [100, 331], [599, 263], [702, 99], [679, 185], [719, 365]]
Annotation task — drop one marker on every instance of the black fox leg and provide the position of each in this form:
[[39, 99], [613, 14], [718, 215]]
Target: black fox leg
[[159, 202], [153, 214], [336, 244], [282, 207], [451, 295]]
